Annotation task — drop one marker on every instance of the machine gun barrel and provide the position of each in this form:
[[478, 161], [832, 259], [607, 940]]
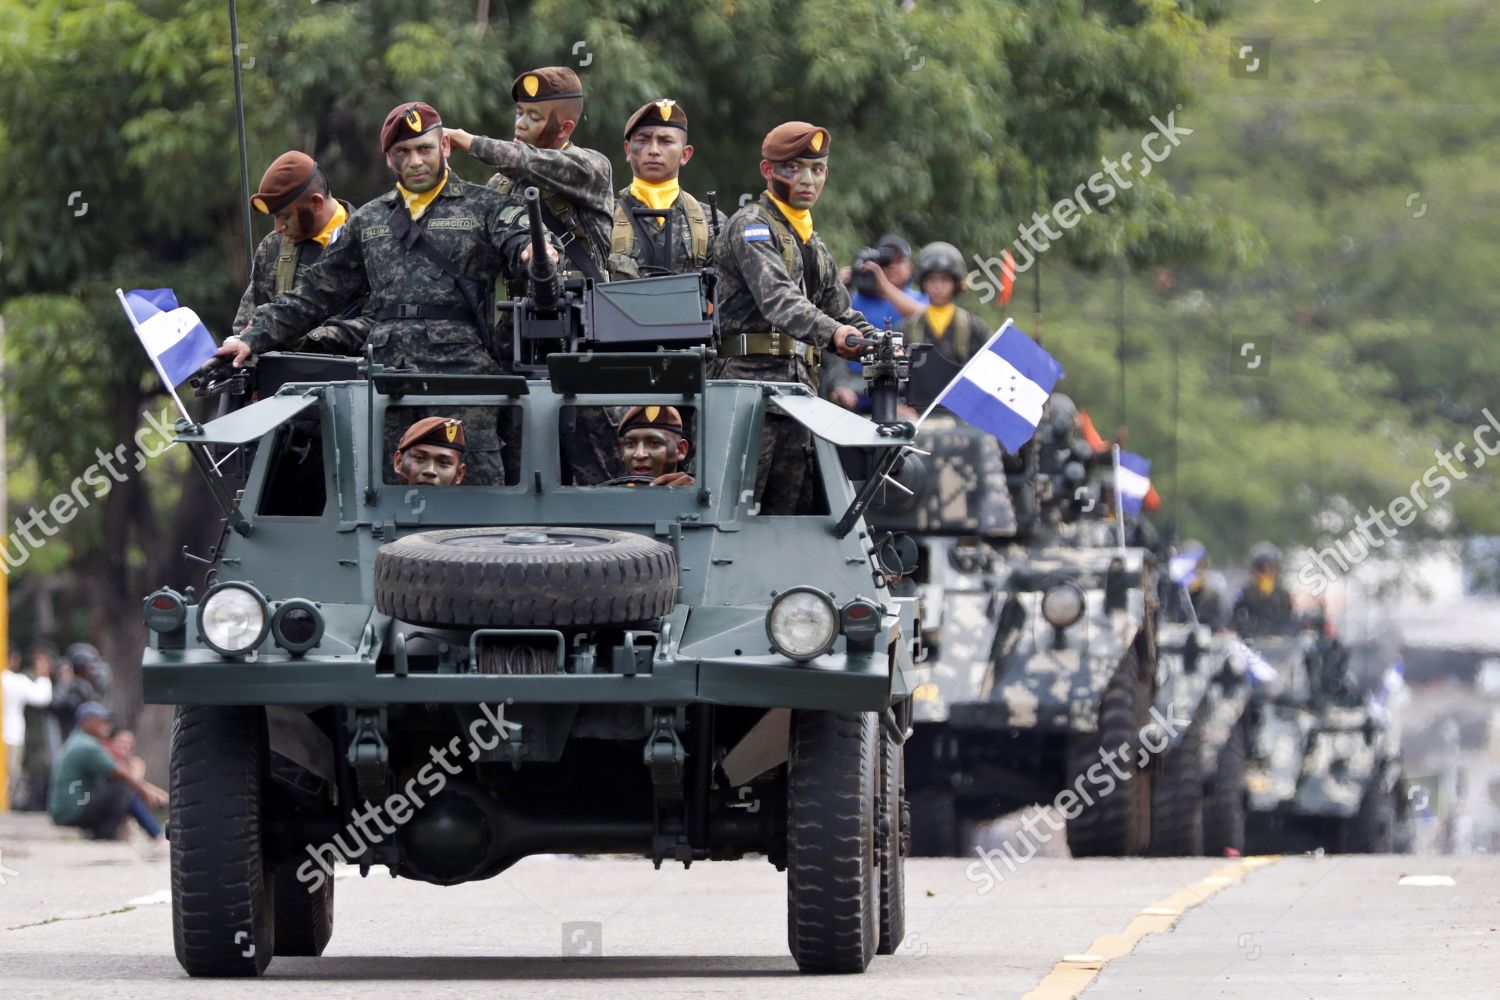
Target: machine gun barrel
[[542, 271]]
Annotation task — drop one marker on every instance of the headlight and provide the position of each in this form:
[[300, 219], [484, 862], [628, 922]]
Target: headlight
[[297, 626], [802, 623], [1063, 604], [232, 619]]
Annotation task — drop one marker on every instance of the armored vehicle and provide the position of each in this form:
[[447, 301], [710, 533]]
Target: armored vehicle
[[1325, 768], [1049, 663], [445, 679]]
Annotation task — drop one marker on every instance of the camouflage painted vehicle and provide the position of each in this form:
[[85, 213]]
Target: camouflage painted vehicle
[[1199, 797], [1055, 667], [1325, 767], [495, 671]]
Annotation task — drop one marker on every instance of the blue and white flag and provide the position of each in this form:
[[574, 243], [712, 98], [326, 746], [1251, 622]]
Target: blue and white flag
[[173, 335], [1004, 386], [1133, 479], [1183, 567]]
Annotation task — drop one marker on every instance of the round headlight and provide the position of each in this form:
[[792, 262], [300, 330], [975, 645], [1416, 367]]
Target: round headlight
[[802, 623], [1063, 604], [297, 626], [232, 619]]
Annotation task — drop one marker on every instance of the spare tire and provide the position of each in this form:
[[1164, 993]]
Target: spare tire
[[525, 577]]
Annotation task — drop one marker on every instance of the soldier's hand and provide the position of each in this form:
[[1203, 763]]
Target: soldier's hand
[[551, 252], [847, 398], [463, 140], [841, 345], [673, 479], [236, 348]]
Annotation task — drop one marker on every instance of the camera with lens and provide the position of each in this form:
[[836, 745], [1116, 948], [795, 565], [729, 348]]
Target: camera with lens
[[863, 281]]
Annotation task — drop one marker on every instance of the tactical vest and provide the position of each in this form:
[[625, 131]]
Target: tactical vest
[[562, 209], [622, 234], [960, 333], [286, 264], [790, 246]]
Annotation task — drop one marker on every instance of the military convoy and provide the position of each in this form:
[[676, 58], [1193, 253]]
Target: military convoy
[[445, 679]]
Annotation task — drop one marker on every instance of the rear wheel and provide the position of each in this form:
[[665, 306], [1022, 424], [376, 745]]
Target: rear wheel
[[892, 854], [1177, 800], [1118, 823], [222, 891], [1224, 807], [833, 889], [304, 915]]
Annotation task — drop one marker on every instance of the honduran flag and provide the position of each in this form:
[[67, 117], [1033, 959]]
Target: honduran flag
[[173, 335], [1004, 386], [1133, 480]]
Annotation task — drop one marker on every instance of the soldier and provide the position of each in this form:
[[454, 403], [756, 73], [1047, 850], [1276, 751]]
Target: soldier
[[576, 183], [956, 333], [427, 253], [654, 446], [431, 453], [642, 245], [780, 301], [1263, 604], [294, 192]]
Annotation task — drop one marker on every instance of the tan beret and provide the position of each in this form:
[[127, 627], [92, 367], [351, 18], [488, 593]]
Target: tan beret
[[284, 182], [550, 83], [442, 432], [663, 112], [407, 121], [795, 140]]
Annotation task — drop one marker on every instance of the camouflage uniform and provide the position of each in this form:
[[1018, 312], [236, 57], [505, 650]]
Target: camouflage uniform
[[344, 334], [800, 308], [481, 231], [644, 257], [964, 336], [576, 185]]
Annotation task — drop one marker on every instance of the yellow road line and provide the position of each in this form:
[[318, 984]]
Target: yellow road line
[[1072, 975]]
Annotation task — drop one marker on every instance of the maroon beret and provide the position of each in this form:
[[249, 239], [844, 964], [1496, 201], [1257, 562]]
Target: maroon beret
[[284, 182], [407, 121], [442, 432], [794, 140], [665, 418], [663, 112], [550, 83]]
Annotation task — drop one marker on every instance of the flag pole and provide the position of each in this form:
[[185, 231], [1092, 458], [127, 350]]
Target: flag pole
[[937, 401], [172, 389], [1114, 451]]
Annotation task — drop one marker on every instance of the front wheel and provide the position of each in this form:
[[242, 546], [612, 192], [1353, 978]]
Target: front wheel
[[222, 894], [833, 904]]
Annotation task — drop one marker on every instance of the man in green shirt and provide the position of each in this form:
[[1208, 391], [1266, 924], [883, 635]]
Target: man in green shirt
[[90, 789]]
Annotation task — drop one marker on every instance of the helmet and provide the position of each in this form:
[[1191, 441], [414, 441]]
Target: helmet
[[1264, 555], [941, 258], [81, 654]]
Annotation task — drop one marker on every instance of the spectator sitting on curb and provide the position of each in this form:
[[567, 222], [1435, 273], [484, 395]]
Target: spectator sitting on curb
[[121, 747], [90, 790]]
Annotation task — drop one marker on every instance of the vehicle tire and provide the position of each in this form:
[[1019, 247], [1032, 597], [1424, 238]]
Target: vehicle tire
[[1226, 805], [525, 577], [1372, 830], [304, 917], [934, 824], [833, 889], [1177, 800], [1118, 823], [223, 897], [892, 854]]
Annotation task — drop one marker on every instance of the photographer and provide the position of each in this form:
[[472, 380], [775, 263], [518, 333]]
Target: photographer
[[880, 289]]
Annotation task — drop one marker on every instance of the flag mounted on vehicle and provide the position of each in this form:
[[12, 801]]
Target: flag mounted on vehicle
[[174, 337], [1003, 387], [1133, 480]]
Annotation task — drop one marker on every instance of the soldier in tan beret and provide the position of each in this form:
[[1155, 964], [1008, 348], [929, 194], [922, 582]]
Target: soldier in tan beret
[[654, 444], [431, 453], [576, 183], [294, 192], [780, 302], [644, 244]]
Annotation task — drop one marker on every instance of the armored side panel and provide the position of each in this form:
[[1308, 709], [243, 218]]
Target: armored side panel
[[957, 489]]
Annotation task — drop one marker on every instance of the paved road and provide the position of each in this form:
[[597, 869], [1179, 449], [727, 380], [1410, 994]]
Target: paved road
[[78, 917]]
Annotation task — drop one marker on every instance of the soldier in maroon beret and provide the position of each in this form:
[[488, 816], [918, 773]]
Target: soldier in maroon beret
[[654, 444], [431, 453]]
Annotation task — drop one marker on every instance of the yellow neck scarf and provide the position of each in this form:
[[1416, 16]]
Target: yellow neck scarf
[[417, 204], [939, 317], [800, 218], [659, 196], [340, 216]]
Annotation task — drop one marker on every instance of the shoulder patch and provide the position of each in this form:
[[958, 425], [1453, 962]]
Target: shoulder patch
[[759, 233], [511, 214]]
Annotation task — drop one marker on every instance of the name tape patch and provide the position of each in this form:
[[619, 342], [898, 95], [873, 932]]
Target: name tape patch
[[757, 234]]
